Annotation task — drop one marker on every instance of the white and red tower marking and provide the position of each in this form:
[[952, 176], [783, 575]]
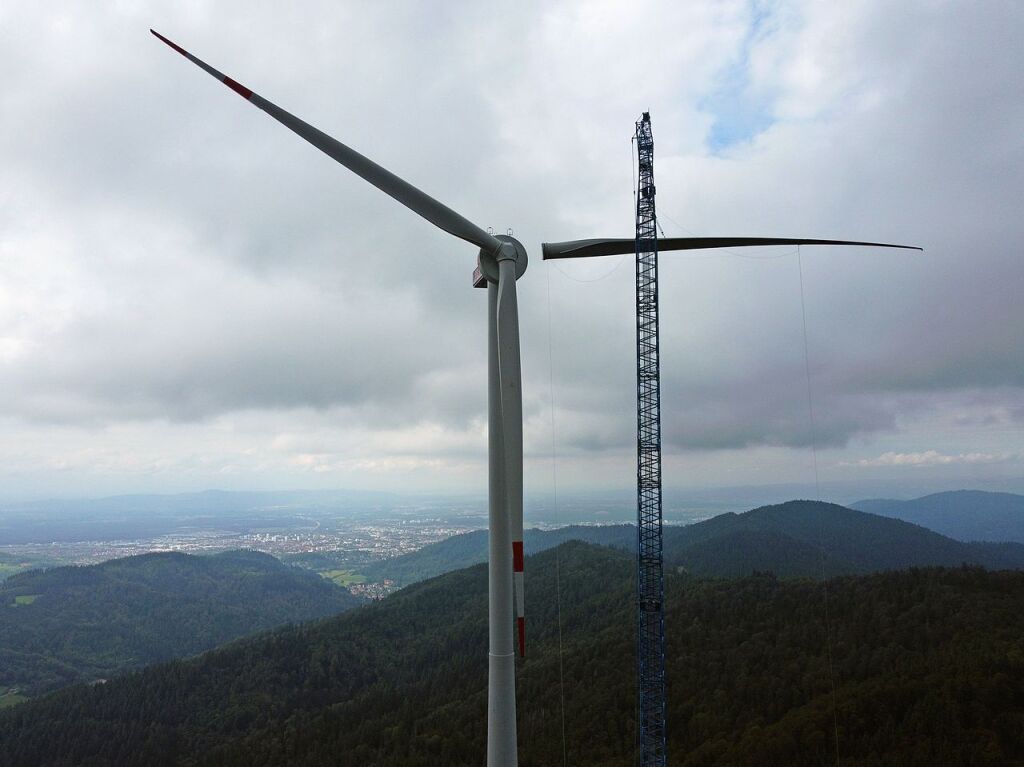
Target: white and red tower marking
[[517, 574]]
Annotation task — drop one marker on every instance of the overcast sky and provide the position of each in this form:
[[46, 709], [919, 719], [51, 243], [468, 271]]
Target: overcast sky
[[192, 297]]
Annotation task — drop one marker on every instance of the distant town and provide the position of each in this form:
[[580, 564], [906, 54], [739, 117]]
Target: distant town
[[345, 544]]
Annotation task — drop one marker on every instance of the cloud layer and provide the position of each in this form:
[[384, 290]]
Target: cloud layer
[[185, 283]]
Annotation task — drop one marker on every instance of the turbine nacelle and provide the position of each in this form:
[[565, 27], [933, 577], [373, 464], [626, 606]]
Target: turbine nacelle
[[487, 262]]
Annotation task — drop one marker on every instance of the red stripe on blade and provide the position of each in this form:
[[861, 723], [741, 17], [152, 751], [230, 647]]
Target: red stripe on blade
[[522, 636], [178, 48], [517, 556], [238, 88]]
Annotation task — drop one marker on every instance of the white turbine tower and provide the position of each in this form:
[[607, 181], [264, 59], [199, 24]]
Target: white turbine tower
[[501, 261]]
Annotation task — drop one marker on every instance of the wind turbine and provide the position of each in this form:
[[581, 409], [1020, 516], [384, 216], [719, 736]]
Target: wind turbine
[[501, 261]]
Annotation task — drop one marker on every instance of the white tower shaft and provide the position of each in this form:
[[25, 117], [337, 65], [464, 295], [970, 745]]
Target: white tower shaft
[[501, 682]]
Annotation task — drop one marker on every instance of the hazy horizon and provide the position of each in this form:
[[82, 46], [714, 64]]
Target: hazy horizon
[[836, 492]]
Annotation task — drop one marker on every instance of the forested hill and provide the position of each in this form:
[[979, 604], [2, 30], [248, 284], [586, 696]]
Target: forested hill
[[927, 667], [471, 548], [71, 624], [790, 539], [794, 539], [967, 515]]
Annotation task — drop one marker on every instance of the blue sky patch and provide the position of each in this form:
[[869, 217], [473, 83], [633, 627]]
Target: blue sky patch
[[739, 114]]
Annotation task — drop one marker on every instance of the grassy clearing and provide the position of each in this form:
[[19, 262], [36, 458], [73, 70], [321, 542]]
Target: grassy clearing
[[9, 696], [344, 578], [7, 569], [26, 599]]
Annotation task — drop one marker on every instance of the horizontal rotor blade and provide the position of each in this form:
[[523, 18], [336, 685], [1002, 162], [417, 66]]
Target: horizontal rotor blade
[[614, 247], [437, 213]]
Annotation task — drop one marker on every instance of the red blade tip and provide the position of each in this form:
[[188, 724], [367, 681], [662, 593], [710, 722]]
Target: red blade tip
[[178, 48], [234, 85]]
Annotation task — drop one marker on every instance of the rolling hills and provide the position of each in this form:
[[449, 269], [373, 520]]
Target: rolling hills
[[794, 539], [469, 549], [789, 539], [926, 661], [74, 624], [926, 667], [966, 515]]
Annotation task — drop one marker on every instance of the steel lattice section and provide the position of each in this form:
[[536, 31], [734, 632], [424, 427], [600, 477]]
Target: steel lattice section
[[650, 579]]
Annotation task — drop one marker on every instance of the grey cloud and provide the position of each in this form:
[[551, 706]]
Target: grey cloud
[[925, 155], [194, 259]]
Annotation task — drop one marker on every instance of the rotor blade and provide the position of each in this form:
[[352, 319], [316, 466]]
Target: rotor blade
[[613, 247], [438, 214], [510, 376]]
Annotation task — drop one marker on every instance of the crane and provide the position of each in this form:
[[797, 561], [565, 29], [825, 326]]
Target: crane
[[650, 615], [650, 578]]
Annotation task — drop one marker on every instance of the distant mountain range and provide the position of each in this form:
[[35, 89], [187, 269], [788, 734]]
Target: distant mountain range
[[790, 539], [966, 515], [73, 624], [916, 668], [794, 539]]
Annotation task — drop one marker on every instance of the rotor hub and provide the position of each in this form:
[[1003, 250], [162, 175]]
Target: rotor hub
[[487, 263]]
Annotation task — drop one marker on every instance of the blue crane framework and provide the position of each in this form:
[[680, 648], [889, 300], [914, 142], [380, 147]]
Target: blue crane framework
[[650, 600], [650, 574]]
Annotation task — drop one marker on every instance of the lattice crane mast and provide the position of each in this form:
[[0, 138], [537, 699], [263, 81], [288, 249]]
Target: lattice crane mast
[[650, 581], [650, 575]]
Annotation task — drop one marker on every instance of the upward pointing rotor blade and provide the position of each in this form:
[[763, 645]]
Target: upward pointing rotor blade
[[438, 214], [510, 378], [614, 247]]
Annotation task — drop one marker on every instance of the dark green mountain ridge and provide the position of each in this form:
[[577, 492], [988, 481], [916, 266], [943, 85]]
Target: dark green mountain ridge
[[468, 549], [794, 539], [927, 666], [852, 542], [72, 624]]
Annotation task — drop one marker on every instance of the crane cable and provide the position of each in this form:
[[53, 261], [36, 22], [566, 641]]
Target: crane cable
[[817, 491], [554, 505]]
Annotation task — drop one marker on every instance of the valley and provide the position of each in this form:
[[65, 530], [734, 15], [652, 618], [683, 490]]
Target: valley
[[926, 669], [319, 641]]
